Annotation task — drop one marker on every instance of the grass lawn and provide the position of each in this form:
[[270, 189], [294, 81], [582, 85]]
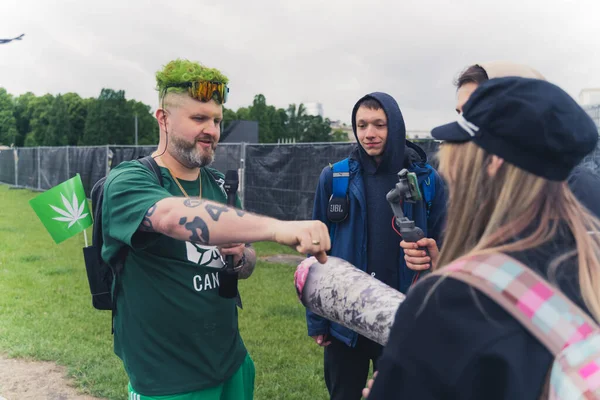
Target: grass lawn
[[46, 313]]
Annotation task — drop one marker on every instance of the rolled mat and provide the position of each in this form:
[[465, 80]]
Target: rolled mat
[[340, 292]]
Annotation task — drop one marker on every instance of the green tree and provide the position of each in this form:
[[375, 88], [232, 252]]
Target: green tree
[[59, 125], [244, 114], [147, 125], [76, 110], [8, 124], [277, 121], [339, 135], [307, 128], [108, 120], [39, 112], [282, 121], [294, 122], [271, 121], [315, 129], [228, 116], [22, 113], [259, 112]]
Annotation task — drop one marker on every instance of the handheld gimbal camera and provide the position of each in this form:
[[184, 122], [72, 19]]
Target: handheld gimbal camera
[[407, 189]]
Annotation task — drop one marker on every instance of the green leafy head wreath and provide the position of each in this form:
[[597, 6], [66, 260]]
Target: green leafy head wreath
[[178, 72]]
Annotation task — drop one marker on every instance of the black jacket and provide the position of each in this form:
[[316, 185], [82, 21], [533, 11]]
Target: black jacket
[[465, 346], [584, 182]]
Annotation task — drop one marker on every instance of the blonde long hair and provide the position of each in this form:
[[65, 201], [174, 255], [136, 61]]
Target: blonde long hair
[[500, 213]]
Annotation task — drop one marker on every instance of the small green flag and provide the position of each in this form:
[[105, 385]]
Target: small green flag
[[63, 209]]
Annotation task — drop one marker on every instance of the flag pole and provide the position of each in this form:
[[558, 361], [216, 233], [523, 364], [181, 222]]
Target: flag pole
[[85, 237]]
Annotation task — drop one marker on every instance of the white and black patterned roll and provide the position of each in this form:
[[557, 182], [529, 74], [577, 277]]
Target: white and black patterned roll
[[340, 292]]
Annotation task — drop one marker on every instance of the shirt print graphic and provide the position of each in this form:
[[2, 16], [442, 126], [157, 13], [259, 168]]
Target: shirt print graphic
[[204, 256]]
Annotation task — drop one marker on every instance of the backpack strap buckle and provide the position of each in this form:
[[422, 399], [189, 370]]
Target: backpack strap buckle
[[339, 204]]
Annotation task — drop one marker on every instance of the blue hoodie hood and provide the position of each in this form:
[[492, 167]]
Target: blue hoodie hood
[[393, 154]]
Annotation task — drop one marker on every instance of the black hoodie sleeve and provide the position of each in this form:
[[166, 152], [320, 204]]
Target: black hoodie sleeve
[[450, 341], [585, 185]]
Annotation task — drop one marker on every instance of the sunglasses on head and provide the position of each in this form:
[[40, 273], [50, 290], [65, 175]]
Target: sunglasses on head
[[205, 90]]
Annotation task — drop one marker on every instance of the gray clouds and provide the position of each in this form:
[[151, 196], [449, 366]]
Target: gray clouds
[[331, 51]]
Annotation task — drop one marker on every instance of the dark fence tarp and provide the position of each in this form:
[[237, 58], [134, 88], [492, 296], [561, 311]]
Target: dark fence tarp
[[430, 147], [227, 156], [90, 163], [280, 180], [54, 166], [118, 154], [27, 167], [7, 166]]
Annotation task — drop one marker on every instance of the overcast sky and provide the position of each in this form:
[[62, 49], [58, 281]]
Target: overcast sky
[[328, 51]]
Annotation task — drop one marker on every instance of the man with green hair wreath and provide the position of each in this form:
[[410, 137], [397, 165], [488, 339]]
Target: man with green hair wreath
[[177, 337]]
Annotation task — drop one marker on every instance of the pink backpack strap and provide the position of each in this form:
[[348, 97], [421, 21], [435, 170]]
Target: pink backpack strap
[[548, 314]]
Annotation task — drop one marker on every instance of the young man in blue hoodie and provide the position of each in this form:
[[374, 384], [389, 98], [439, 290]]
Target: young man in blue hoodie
[[360, 223]]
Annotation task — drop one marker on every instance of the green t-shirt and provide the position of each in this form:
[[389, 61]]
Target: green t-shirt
[[173, 331]]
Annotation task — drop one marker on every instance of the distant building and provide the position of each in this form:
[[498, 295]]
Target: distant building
[[589, 97], [590, 101], [593, 111], [314, 109], [240, 131], [418, 135], [340, 126]]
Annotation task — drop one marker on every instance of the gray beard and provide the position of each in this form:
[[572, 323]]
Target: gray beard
[[188, 155]]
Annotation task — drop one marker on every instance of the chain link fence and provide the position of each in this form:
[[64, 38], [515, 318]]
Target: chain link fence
[[278, 180]]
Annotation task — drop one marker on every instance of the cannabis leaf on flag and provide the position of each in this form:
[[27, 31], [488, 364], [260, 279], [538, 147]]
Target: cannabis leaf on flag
[[63, 210], [72, 213]]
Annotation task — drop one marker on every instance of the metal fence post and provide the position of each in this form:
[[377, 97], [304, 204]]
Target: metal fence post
[[16, 160], [39, 170], [68, 166], [107, 160], [243, 172]]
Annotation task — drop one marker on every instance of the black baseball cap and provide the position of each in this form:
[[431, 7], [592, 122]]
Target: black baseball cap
[[531, 123]]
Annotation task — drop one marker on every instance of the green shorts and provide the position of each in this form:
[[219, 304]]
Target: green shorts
[[239, 387]]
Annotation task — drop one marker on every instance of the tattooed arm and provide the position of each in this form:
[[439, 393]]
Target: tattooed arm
[[146, 225], [208, 222]]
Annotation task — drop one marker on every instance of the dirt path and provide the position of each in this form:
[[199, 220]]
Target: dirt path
[[284, 259], [24, 380]]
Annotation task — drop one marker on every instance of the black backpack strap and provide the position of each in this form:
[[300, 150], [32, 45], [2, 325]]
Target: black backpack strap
[[214, 176], [220, 181], [150, 163]]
